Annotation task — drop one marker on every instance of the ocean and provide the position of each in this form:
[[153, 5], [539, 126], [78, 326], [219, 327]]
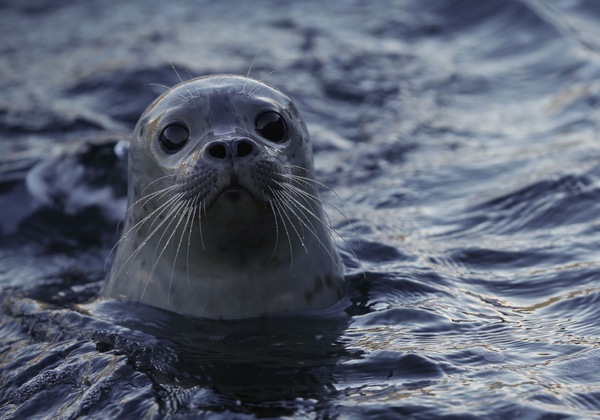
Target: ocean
[[458, 139]]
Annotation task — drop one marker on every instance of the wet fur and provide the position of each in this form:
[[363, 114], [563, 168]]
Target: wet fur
[[187, 248]]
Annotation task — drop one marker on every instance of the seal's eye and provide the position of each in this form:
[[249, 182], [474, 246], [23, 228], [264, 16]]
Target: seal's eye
[[174, 137], [271, 126]]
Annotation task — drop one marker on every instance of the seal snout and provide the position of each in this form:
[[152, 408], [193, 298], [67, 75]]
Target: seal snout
[[230, 149], [235, 159]]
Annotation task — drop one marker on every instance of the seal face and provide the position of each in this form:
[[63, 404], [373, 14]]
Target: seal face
[[224, 219]]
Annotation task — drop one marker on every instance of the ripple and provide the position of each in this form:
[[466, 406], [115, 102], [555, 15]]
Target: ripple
[[462, 139]]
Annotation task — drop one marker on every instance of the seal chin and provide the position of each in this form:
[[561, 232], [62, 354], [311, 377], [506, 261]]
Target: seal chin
[[234, 208], [238, 198], [232, 190], [234, 194]]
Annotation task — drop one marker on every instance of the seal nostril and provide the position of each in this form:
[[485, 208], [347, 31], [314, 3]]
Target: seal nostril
[[244, 148], [218, 151]]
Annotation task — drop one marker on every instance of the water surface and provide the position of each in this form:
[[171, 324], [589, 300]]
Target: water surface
[[460, 137]]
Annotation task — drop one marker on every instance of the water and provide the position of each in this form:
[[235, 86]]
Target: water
[[461, 138]]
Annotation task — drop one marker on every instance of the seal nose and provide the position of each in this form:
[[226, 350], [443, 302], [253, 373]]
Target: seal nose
[[236, 149]]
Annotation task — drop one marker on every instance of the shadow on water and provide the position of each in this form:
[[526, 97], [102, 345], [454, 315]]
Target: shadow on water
[[263, 366], [268, 367]]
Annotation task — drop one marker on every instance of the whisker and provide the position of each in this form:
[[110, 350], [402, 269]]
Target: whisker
[[201, 204], [309, 181], [285, 213], [250, 70], [317, 200], [171, 218], [306, 196], [165, 206], [139, 201], [259, 85], [171, 90], [288, 203], [300, 193], [168, 207], [176, 72], [187, 211], [189, 74], [175, 209], [287, 233], [304, 209], [276, 231], [138, 224], [190, 230], [181, 81], [158, 180]]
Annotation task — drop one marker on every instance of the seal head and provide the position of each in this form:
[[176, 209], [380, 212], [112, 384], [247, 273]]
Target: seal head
[[224, 219]]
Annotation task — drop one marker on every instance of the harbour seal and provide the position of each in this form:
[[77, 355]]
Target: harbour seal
[[224, 220]]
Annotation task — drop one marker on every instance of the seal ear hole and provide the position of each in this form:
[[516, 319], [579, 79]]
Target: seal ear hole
[[174, 137], [271, 126]]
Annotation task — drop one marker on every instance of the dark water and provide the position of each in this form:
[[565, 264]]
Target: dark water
[[461, 138]]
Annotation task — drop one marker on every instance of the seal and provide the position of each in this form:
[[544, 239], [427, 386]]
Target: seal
[[224, 219]]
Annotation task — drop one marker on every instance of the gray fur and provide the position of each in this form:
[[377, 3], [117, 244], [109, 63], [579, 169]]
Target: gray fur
[[192, 248]]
